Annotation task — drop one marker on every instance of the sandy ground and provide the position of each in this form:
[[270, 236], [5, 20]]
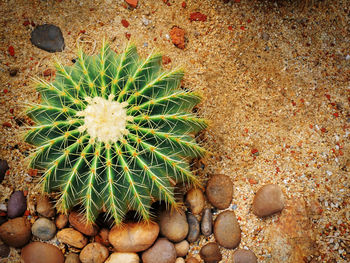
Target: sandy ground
[[275, 77]]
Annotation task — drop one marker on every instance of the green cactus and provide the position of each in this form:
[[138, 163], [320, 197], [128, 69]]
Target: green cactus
[[114, 132]]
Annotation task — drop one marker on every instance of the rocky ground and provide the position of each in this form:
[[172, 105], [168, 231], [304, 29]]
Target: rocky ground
[[275, 80]]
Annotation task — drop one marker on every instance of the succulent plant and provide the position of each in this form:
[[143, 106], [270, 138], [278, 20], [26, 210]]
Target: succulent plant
[[115, 133]]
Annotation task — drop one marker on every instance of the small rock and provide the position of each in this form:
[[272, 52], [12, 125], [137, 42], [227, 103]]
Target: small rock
[[102, 237], [4, 251], [179, 260], [48, 37], [72, 258], [17, 204], [132, 3], [265, 36], [44, 207], [207, 222], [173, 225], [182, 248], [210, 253], [38, 252], [133, 237], [15, 232], [177, 36], [13, 72], [192, 260], [44, 228], [220, 191], [268, 200], [61, 221], [193, 228], [195, 201], [244, 256], [72, 237], [162, 251], [226, 230], [94, 253], [78, 221], [3, 169], [123, 257]]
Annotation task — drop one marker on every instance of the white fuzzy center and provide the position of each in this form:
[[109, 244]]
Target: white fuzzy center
[[105, 120]]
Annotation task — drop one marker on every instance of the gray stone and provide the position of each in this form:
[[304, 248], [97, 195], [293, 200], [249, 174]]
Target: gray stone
[[44, 229], [207, 222], [162, 251], [48, 37], [193, 228]]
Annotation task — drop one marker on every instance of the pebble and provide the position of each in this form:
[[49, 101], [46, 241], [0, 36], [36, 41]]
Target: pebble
[[193, 228], [195, 201], [163, 251], [265, 36], [44, 207], [210, 253], [72, 237], [177, 36], [72, 258], [94, 253], [17, 204], [268, 200], [173, 225], [48, 37], [13, 72], [133, 236], [220, 191], [179, 260], [244, 256], [102, 237], [78, 221], [38, 252], [3, 169], [182, 248], [123, 257], [61, 221], [4, 251], [15, 232], [192, 260], [132, 3], [44, 228], [207, 222], [226, 230]]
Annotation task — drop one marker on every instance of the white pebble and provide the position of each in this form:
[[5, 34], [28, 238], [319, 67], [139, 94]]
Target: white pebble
[[167, 36]]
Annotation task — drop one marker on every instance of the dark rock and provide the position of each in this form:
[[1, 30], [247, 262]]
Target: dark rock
[[17, 204], [219, 191], [3, 168], [207, 222], [210, 253], [13, 72], [48, 37], [4, 251], [162, 251], [2, 220], [193, 228], [38, 252], [244, 256], [15, 232], [226, 230]]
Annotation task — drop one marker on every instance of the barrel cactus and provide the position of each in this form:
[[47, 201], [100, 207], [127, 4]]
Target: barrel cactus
[[114, 133]]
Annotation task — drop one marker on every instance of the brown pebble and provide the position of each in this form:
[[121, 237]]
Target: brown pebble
[[72, 258], [162, 251], [61, 221], [210, 253], [182, 248], [72, 237], [94, 253], [177, 36], [268, 200], [16, 232], [244, 256], [78, 221], [13, 72], [192, 260], [220, 191], [44, 207], [39, 252], [173, 225], [226, 230], [207, 222], [102, 237], [195, 201]]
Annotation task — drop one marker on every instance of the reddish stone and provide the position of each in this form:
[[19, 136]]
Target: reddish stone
[[132, 3], [197, 16], [178, 37], [166, 60], [125, 23]]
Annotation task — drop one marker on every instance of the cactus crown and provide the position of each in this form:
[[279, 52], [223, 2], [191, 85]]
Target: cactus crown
[[114, 131]]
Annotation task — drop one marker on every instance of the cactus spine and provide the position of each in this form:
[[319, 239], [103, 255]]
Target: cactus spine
[[114, 131]]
